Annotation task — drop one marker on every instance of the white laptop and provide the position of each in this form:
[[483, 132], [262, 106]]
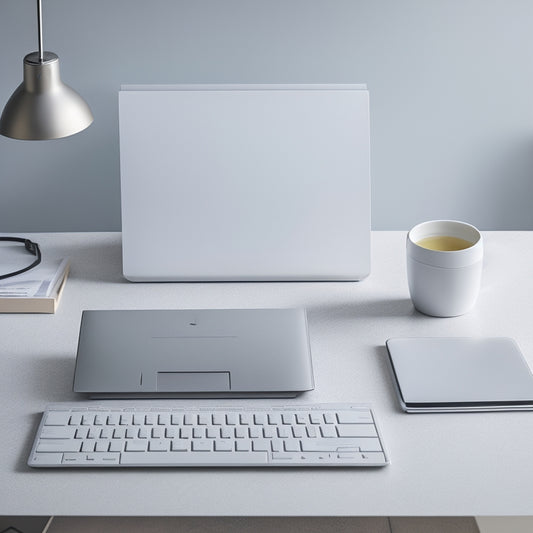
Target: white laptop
[[245, 182]]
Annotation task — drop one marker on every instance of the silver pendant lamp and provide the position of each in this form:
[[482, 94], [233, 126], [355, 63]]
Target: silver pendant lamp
[[43, 107]]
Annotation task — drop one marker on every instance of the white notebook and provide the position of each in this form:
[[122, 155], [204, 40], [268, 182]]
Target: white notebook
[[443, 374], [245, 182]]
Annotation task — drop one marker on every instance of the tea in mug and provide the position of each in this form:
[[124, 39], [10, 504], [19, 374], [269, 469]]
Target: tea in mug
[[444, 243]]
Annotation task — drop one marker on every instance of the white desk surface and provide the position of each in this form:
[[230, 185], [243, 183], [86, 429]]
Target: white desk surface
[[442, 464]]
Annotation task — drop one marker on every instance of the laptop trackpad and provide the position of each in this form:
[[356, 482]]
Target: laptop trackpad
[[193, 381]]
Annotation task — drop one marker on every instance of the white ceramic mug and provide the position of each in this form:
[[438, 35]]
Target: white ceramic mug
[[444, 282]]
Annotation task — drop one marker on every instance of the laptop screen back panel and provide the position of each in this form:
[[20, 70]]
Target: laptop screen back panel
[[244, 183]]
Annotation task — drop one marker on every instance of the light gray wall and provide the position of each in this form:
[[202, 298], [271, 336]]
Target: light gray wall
[[451, 85]]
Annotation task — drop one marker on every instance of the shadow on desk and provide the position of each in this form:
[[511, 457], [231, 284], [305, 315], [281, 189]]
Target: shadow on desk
[[49, 378], [101, 262], [263, 525], [400, 307], [386, 371]]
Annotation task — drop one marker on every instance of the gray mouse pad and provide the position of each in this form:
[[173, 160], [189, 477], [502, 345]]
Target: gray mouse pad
[[442, 374]]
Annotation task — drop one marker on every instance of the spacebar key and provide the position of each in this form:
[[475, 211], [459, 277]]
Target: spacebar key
[[192, 458]]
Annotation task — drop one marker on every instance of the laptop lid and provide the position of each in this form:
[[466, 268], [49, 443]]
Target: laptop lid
[[193, 353], [245, 182]]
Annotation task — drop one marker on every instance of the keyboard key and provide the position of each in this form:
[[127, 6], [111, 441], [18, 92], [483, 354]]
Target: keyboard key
[[299, 431], [193, 458], [260, 419], [330, 418], [287, 418], [163, 419], [232, 419], [355, 417], [189, 419], [113, 419], [328, 431], [244, 445], [57, 418], [106, 433], [87, 446], [125, 419], [291, 445], [260, 445], [333, 445], [301, 418], [119, 433], [255, 432], [276, 445], [176, 419], [171, 432], [58, 446], [284, 432], [312, 431], [58, 432], [186, 432], [46, 459], [227, 433], [316, 418], [202, 445], [270, 432], [75, 419], [274, 419], [213, 432], [101, 446], [161, 445], [116, 446], [357, 430], [219, 419], [138, 419], [204, 419], [246, 419], [180, 445], [223, 446], [158, 432], [241, 432]]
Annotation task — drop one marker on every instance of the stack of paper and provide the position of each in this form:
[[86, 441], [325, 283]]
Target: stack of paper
[[36, 291]]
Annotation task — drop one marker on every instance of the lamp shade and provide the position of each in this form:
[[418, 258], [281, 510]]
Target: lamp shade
[[43, 107]]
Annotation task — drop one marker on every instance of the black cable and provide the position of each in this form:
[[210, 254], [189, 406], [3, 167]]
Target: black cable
[[32, 247]]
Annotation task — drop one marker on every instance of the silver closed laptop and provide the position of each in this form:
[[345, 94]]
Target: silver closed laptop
[[202, 353]]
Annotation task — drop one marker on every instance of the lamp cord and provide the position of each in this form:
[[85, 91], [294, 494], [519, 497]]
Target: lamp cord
[[40, 30]]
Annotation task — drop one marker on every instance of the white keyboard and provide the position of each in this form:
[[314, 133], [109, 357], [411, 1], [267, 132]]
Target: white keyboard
[[96, 435]]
